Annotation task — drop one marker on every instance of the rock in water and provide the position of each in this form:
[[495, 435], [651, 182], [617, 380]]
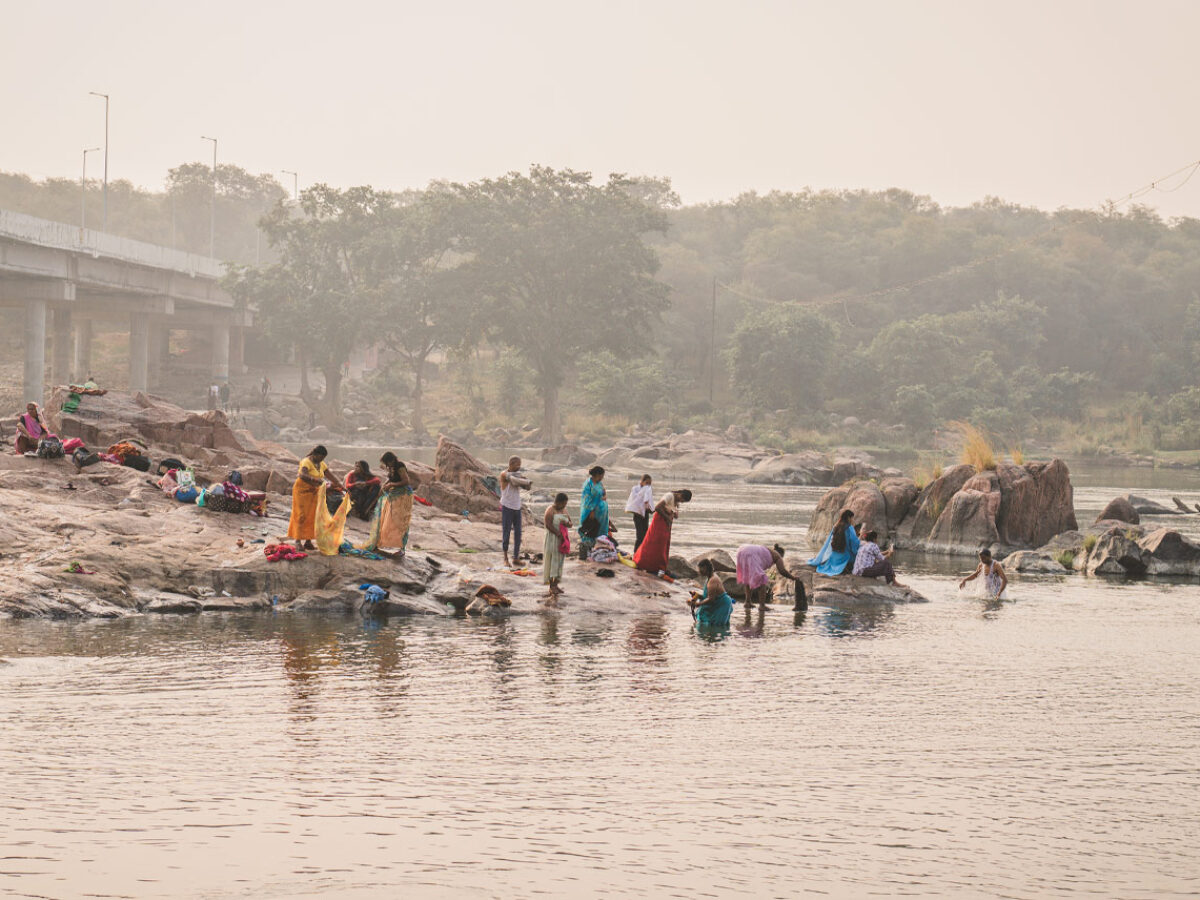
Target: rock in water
[[1170, 553], [876, 506], [1119, 509]]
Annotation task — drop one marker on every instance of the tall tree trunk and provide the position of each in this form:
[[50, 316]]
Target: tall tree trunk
[[330, 408], [550, 424], [418, 397], [305, 390]]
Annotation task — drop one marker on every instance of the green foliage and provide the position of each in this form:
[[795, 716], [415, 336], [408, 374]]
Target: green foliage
[[780, 358], [1065, 558], [640, 388], [1089, 543]]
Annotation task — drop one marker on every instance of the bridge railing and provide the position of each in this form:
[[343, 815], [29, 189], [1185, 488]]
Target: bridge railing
[[31, 229]]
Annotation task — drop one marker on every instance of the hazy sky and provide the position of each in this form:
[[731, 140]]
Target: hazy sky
[[1045, 103]]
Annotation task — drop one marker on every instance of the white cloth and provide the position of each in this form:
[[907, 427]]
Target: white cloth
[[868, 555], [641, 500], [510, 488]]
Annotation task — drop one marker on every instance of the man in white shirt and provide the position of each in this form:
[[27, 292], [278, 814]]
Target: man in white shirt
[[512, 482], [641, 504]]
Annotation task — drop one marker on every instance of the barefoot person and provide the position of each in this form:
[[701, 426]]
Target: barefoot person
[[557, 544], [871, 562], [31, 428], [840, 548], [593, 511], [713, 607], [512, 482], [652, 556], [753, 563], [393, 509], [303, 523], [995, 582], [641, 504]]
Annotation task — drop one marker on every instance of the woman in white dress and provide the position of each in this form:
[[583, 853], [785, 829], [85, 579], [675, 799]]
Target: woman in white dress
[[995, 582]]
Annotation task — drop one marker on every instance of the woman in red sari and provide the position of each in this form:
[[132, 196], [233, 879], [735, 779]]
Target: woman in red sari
[[652, 555]]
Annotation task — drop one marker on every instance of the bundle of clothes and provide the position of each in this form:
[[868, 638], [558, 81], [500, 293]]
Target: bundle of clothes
[[604, 550], [226, 496]]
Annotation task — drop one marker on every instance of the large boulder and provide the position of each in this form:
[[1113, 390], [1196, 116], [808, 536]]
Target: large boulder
[[720, 559], [808, 467], [931, 503], [1037, 562], [680, 568], [1119, 509], [1170, 553], [968, 523], [570, 455], [1147, 507], [1116, 552], [461, 483]]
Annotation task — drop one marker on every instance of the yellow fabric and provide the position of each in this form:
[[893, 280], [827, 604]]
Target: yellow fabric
[[301, 526], [330, 526]]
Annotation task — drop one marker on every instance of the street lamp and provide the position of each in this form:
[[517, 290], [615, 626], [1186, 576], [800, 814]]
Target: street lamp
[[105, 96], [83, 191], [212, 211], [295, 183]]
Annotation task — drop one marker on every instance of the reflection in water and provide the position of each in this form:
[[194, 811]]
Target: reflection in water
[[646, 648], [753, 622], [851, 621]]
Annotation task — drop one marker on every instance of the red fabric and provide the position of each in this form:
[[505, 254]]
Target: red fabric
[[279, 552], [652, 555], [564, 543]]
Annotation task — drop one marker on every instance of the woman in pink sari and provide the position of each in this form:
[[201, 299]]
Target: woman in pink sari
[[31, 428]]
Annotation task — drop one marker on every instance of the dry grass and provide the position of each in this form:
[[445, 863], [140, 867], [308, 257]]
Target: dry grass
[[1017, 454], [977, 449], [926, 472], [1089, 543]]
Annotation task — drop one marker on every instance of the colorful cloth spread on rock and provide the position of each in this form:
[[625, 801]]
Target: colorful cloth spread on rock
[[652, 556], [552, 556], [330, 526], [592, 503], [302, 525], [753, 562], [392, 519], [834, 562], [715, 614]]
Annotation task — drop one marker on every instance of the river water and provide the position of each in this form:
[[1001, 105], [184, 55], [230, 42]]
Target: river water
[[1044, 747]]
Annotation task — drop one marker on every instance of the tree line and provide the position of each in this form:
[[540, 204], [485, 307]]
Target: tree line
[[792, 308]]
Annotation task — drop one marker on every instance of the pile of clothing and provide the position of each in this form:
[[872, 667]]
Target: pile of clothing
[[126, 453], [180, 484], [604, 550], [282, 552]]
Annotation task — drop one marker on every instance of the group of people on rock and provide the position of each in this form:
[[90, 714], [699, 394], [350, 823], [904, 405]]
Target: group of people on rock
[[387, 503]]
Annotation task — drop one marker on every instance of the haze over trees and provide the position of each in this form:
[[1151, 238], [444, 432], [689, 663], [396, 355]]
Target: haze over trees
[[881, 305]]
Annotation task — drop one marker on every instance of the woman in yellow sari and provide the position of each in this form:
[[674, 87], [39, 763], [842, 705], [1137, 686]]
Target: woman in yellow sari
[[302, 526], [393, 510]]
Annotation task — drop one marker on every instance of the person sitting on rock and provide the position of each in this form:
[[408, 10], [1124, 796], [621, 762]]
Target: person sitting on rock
[[871, 562], [838, 552], [995, 582], [363, 486], [31, 428], [713, 606], [753, 561]]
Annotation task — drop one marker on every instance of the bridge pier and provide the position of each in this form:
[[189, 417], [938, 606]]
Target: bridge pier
[[139, 351], [83, 349], [35, 350], [160, 350], [60, 358], [220, 350]]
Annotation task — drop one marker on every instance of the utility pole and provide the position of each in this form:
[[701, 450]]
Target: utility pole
[[712, 355], [83, 191], [295, 183], [212, 210], [105, 96]]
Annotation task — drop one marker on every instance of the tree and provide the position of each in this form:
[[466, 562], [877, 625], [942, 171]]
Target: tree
[[318, 296], [565, 269], [779, 356], [414, 271]]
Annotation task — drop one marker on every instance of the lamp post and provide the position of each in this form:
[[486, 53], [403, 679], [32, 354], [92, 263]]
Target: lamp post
[[105, 96], [295, 183], [83, 191], [212, 212]]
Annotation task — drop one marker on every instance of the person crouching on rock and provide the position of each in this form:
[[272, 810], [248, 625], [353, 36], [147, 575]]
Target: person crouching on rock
[[312, 471], [558, 543], [753, 561], [713, 607], [363, 487], [840, 548], [31, 428], [871, 562]]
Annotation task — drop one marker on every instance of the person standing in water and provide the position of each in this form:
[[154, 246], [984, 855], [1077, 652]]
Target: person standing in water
[[713, 606], [641, 504], [512, 482], [753, 561], [995, 582]]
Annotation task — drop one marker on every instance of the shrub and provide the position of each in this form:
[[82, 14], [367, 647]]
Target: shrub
[[1065, 558], [977, 450], [1018, 456], [1089, 543]]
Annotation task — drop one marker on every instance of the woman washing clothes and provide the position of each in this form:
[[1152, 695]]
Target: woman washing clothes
[[305, 490], [393, 510], [652, 556], [363, 486], [753, 563], [840, 548], [714, 606]]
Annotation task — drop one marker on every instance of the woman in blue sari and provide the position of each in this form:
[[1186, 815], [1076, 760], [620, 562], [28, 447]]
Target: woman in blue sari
[[593, 508], [840, 548]]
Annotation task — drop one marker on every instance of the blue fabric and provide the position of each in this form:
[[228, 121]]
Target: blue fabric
[[829, 561], [715, 614], [592, 497]]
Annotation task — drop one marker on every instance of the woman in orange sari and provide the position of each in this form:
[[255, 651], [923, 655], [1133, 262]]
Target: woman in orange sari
[[393, 509], [302, 526]]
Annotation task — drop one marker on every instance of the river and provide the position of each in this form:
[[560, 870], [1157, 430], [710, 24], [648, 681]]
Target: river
[[1043, 747]]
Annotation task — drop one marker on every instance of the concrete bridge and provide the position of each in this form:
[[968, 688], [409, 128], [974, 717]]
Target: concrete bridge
[[74, 277]]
